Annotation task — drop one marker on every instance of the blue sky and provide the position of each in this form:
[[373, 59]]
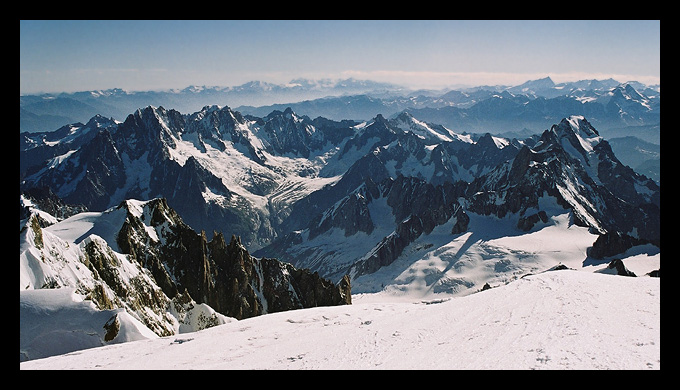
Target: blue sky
[[67, 56]]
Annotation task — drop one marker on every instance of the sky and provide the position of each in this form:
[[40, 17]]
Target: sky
[[140, 55]]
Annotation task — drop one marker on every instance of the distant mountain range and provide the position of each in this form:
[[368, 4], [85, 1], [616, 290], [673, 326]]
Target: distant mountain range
[[47, 112], [531, 106], [612, 107]]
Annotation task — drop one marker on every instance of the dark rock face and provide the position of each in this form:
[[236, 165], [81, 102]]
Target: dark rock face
[[418, 207], [112, 327], [526, 223], [610, 244], [223, 275], [308, 289], [289, 133], [350, 214], [620, 268], [587, 179], [462, 220], [46, 200]]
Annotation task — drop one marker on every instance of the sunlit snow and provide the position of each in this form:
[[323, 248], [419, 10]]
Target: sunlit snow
[[554, 320]]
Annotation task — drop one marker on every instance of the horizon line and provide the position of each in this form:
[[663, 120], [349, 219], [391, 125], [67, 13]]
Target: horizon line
[[436, 81]]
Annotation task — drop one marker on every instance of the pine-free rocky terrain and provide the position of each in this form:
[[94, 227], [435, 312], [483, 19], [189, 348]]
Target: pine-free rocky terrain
[[170, 223]]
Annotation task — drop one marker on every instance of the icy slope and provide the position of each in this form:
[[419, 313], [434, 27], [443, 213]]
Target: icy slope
[[554, 320]]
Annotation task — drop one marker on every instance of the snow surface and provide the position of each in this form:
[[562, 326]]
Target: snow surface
[[566, 319], [73, 324], [424, 311]]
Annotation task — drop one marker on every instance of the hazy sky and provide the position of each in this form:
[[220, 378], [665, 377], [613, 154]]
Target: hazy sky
[[68, 56]]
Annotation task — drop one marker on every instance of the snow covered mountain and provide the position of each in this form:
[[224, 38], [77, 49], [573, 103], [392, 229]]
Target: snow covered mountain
[[569, 172], [616, 109], [533, 105], [223, 171], [214, 167], [45, 112], [397, 206], [268, 179], [142, 266]]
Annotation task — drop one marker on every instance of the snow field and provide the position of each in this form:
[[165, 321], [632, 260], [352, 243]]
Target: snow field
[[564, 319]]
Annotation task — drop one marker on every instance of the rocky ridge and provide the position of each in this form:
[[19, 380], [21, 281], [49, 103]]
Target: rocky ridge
[[569, 168], [286, 185], [158, 269]]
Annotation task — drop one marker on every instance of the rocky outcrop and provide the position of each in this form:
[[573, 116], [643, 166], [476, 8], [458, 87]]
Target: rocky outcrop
[[574, 165], [528, 222], [461, 220], [138, 294], [286, 288], [613, 243], [44, 199], [419, 207], [220, 274], [617, 264]]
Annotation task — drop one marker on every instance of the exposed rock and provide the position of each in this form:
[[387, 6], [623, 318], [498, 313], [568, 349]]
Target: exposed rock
[[138, 294], [528, 222], [559, 267], [610, 244], [112, 327], [462, 220], [44, 199], [420, 207], [222, 275], [620, 268]]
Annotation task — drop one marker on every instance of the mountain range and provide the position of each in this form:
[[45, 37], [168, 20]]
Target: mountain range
[[283, 180], [533, 105], [616, 109], [48, 111], [134, 213]]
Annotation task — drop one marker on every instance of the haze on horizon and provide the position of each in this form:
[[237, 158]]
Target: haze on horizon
[[141, 55]]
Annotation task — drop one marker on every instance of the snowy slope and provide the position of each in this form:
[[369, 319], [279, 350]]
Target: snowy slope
[[430, 306], [563, 319], [59, 321], [66, 301]]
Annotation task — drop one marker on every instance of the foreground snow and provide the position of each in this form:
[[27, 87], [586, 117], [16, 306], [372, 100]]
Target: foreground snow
[[567, 319]]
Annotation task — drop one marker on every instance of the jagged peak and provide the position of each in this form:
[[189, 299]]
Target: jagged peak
[[100, 121], [578, 126], [404, 116], [213, 107], [379, 119], [148, 109], [288, 113], [489, 141], [136, 207], [628, 91], [236, 244]]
